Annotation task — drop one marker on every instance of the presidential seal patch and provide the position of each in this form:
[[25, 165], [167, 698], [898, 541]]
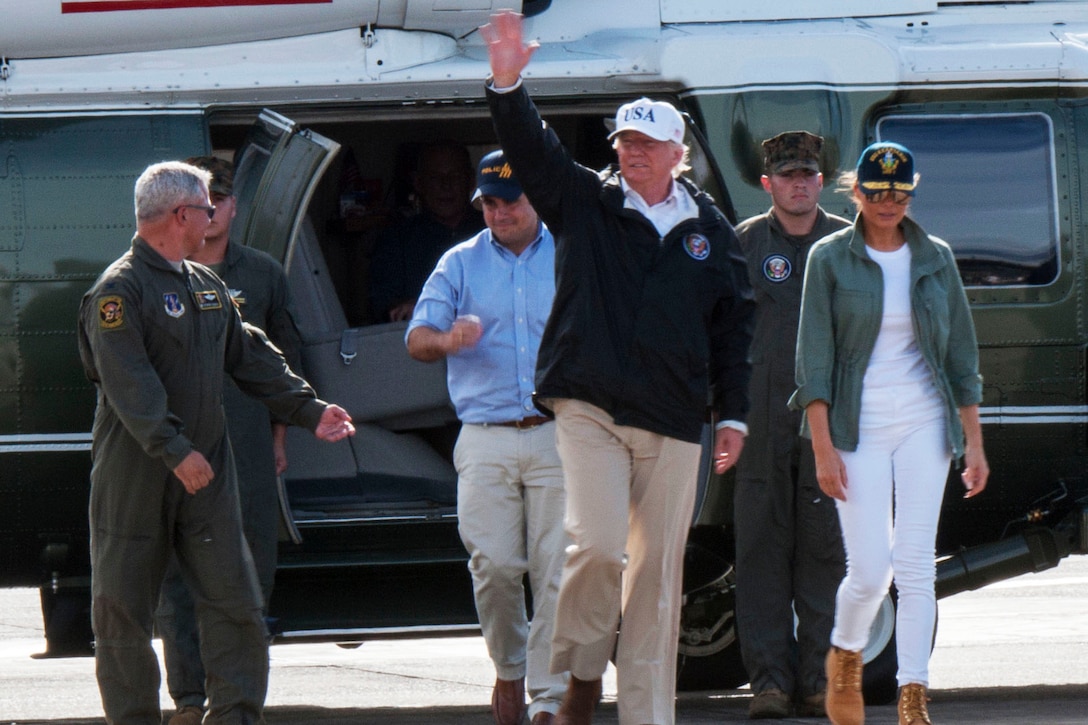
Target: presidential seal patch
[[208, 300], [111, 312], [697, 246], [172, 304], [777, 268]]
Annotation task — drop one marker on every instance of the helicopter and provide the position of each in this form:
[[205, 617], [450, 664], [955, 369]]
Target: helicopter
[[322, 104]]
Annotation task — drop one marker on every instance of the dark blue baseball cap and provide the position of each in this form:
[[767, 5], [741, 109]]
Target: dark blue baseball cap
[[494, 177], [886, 166]]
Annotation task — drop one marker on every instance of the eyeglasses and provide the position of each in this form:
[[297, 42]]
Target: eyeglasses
[[209, 210], [901, 198]]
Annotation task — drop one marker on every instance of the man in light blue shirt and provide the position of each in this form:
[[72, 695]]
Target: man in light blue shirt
[[483, 309]]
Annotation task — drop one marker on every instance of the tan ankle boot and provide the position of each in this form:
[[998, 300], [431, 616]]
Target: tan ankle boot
[[912, 705], [845, 705]]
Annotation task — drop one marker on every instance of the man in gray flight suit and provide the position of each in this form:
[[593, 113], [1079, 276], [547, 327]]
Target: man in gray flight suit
[[789, 549], [156, 334], [258, 286]]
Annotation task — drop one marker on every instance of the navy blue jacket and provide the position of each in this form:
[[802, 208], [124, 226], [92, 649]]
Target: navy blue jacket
[[641, 326]]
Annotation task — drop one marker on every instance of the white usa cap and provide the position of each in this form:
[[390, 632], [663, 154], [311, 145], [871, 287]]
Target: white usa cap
[[657, 119]]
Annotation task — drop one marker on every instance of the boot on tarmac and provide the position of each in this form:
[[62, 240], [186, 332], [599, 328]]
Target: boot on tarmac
[[845, 705], [912, 705]]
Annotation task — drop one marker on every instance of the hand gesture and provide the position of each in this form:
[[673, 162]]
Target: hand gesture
[[401, 312], [830, 472], [976, 471], [279, 447], [464, 334], [194, 472], [335, 424], [506, 49], [728, 443]]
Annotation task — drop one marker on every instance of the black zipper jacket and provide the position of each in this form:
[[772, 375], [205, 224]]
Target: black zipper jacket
[[642, 327]]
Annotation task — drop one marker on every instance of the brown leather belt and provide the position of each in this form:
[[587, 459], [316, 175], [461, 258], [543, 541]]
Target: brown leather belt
[[531, 421]]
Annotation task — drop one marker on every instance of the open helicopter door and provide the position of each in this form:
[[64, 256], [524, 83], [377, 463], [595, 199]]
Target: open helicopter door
[[277, 169]]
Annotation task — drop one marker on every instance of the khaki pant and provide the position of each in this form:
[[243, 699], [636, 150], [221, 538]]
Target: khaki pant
[[510, 507], [630, 496]]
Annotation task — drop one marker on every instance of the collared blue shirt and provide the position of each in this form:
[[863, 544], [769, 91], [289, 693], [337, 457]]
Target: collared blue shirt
[[512, 295]]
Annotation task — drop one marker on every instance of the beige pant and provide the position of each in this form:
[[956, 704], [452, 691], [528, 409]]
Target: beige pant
[[510, 507], [630, 495]]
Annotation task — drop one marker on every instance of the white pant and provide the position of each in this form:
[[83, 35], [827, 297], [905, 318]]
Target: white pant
[[902, 455], [630, 496], [510, 507]]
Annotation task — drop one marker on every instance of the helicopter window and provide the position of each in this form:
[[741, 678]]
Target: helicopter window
[[988, 188]]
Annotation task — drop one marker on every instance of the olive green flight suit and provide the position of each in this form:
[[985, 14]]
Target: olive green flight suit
[[789, 548], [258, 285], [156, 342]]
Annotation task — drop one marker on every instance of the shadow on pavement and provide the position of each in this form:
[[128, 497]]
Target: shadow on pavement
[[1051, 704]]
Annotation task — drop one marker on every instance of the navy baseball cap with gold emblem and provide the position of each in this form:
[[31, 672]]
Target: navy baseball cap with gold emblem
[[886, 166], [494, 177]]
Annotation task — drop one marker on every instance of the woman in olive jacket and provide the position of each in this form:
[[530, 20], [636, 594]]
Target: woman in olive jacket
[[887, 374]]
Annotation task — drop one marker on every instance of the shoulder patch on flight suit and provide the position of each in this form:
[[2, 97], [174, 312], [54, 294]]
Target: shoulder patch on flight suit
[[111, 312], [777, 268], [208, 300], [172, 304]]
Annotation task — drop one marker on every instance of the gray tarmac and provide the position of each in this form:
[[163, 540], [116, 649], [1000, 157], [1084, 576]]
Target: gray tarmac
[[1016, 652]]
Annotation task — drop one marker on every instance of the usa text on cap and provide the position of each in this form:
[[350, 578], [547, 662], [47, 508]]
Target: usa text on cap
[[657, 119]]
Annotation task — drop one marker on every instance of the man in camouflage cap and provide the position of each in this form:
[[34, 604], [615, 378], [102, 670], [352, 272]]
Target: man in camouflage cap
[[789, 550], [792, 150]]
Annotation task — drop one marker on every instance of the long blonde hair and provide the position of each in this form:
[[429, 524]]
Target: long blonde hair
[[847, 184]]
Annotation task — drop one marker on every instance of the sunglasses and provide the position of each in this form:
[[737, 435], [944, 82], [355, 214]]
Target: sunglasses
[[901, 198], [209, 210]]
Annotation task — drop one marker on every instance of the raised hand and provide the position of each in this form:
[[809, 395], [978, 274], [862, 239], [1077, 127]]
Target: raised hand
[[506, 48]]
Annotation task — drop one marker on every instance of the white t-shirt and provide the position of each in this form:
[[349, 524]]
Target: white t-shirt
[[896, 359]]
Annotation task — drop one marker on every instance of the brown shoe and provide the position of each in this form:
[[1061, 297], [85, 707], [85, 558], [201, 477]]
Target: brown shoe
[[579, 702], [769, 704], [812, 705], [844, 702], [187, 715], [508, 702], [912, 705], [543, 718]]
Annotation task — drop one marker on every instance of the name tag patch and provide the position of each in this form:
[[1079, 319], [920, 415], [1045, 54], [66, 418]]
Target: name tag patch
[[208, 300]]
